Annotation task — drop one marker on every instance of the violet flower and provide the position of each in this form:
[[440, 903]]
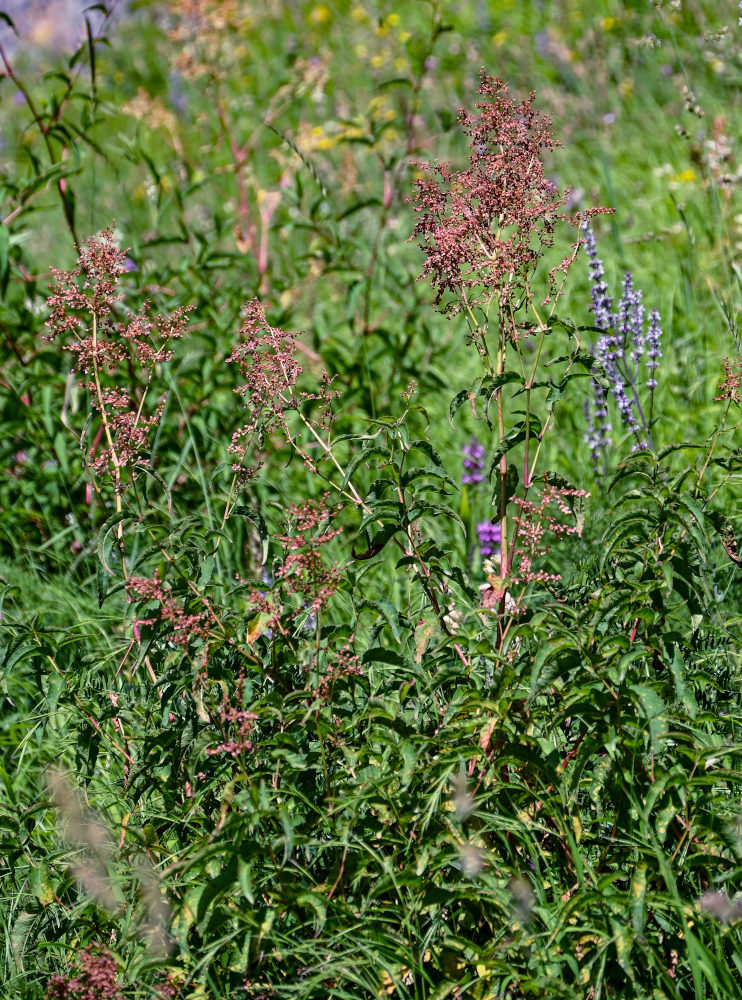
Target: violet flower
[[490, 537], [473, 463], [602, 301]]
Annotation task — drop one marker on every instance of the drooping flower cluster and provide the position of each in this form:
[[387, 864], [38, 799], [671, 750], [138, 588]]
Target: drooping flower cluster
[[111, 352], [625, 345], [473, 463], [484, 229], [241, 723], [95, 978], [731, 387], [303, 572], [344, 663]]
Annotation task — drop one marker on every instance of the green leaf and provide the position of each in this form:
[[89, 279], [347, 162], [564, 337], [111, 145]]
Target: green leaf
[[387, 610], [428, 470], [105, 543], [257, 519], [637, 897], [363, 456], [380, 655]]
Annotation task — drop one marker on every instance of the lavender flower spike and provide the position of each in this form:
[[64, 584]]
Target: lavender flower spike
[[598, 436], [654, 336], [631, 319], [602, 301]]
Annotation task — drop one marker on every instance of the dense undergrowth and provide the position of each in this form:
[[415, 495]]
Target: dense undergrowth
[[399, 655]]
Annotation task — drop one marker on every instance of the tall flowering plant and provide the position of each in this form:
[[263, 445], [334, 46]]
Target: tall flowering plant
[[485, 231], [118, 357]]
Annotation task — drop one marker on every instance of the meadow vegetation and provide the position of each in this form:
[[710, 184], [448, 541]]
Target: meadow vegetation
[[370, 596]]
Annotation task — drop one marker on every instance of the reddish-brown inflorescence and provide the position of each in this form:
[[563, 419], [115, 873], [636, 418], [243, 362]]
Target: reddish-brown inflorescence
[[111, 352], [484, 229], [536, 522], [730, 387], [303, 574], [266, 359], [303, 571], [344, 663], [95, 978], [183, 627], [237, 722]]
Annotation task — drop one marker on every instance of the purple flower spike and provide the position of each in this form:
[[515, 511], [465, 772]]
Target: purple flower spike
[[473, 463], [598, 436], [620, 349], [654, 336], [602, 301], [490, 536], [631, 319]]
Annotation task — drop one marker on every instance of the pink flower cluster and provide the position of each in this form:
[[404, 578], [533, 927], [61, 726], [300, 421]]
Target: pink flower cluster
[[345, 663], [242, 724], [536, 521], [483, 229], [303, 571], [730, 387], [95, 978], [266, 359], [111, 352], [303, 574], [184, 628]]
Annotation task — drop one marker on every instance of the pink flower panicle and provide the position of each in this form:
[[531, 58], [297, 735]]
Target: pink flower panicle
[[169, 987], [730, 387], [184, 628], [536, 521], [484, 229], [106, 350], [95, 978], [345, 663], [266, 359], [242, 724], [303, 570]]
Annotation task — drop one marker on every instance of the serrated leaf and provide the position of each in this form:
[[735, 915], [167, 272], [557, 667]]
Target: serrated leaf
[[363, 456]]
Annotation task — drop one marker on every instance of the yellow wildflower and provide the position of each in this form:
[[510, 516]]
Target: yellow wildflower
[[320, 14]]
